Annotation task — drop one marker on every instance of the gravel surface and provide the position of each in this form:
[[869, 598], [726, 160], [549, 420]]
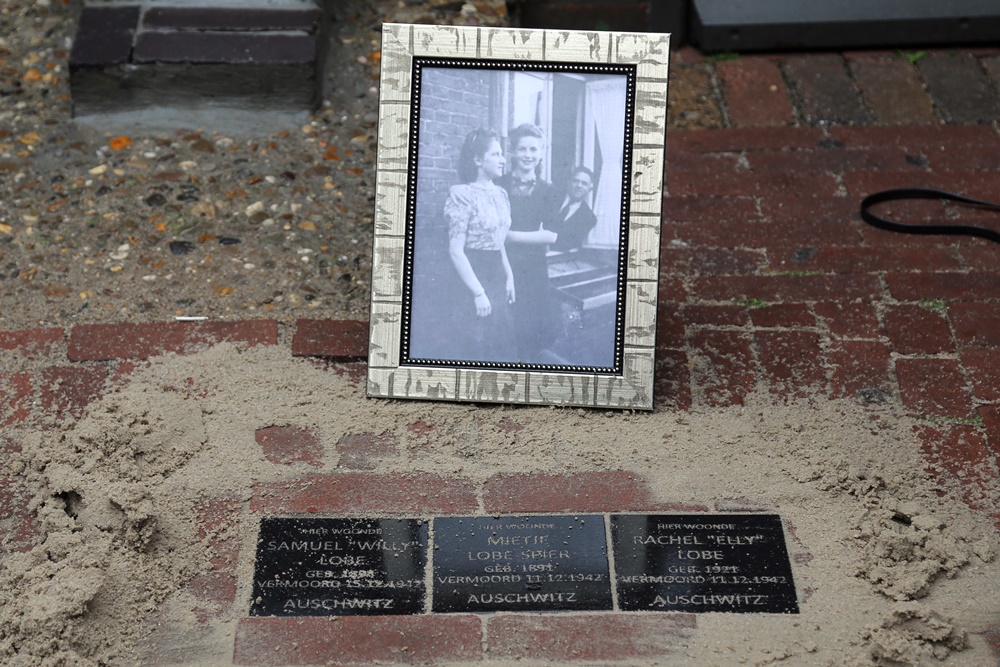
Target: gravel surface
[[110, 224]]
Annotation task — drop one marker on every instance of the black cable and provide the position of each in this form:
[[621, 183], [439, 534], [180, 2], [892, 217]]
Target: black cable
[[925, 193]]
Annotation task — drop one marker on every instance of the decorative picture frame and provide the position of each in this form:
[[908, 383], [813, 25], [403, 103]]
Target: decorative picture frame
[[528, 280]]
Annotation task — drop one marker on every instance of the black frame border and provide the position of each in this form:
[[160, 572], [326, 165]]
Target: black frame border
[[419, 62]]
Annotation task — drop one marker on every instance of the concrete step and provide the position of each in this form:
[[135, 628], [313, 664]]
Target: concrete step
[[138, 57]]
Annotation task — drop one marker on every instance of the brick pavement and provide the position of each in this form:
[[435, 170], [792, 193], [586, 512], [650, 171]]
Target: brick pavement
[[882, 88], [768, 278]]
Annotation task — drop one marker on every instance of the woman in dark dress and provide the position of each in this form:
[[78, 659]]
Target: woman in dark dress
[[532, 203], [478, 215]]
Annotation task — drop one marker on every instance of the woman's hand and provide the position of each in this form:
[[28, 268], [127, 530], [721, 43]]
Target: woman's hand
[[483, 305], [510, 289]]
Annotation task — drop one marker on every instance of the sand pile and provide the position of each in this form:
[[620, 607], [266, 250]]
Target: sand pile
[[888, 570]]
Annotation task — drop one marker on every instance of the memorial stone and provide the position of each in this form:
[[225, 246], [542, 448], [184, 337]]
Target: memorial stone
[[702, 563], [334, 567], [524, 563]]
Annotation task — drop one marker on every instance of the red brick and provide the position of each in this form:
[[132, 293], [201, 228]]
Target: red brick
[[217, 516], [963, 158], [362, 451], [724, 370], [591, 638], [669, 326], [983, 368], [979, 256], [754, 92], [356, 372], [783, 315], [791, 361], [19, 530], [339, 340], [30, 342], [914, 329], [992, 633], [358, 640], [990, 414], [214, 591], [123, 372], [286, 445], [765, 234], [673, 288], [737, 141], [965, 465], [687, 165], [16, 394], [972, 286], [879, 238], [976, 324], [803, 209], [910, 212], [686, 54], [579, 492], [859, 368], [214, 594], [787, 287], [917, 139], [8, 449], [672, 384], [736, 182], [397, 493], [849, 319], [422, 437], [67, 390], [833, 157], [892, 90], [102, 342], [861, 183], [969, 214], [700, 209], [868, 260], [933, 387], [702, 261], [716, 316], [667, 235]]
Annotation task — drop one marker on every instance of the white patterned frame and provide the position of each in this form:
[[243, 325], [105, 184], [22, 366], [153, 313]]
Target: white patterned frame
[[630, 384]]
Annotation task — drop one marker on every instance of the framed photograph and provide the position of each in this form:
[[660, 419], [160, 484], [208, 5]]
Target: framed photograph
[[517, 215]]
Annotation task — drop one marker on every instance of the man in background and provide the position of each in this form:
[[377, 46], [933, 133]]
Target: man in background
[[575, 218]]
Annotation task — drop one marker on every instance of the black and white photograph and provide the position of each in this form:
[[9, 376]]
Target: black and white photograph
[[518, 211], [518, 201]]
